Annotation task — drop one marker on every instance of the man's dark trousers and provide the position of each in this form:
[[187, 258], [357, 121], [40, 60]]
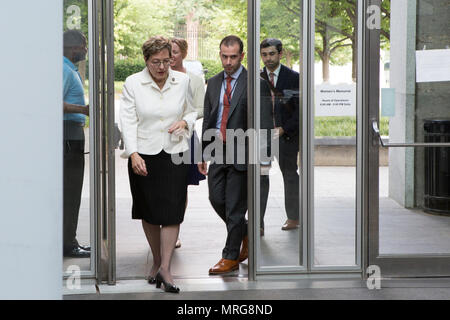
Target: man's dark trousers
[[287, 159], [73, 181], [228, 196]]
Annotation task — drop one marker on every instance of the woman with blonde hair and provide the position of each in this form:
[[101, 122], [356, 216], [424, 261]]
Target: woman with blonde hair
[[179, 53], [157, 118]]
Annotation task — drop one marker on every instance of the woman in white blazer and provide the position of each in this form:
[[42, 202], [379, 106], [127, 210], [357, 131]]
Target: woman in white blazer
[[179, 53], [157, 118]]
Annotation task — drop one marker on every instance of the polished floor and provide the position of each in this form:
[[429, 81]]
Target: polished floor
[[240, 289], [402, 231]]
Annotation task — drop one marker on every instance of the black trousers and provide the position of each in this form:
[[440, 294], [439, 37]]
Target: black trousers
[[287, 160], [228, 196], [73, 183]]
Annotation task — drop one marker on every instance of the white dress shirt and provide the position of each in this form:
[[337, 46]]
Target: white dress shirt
[[147, 112], [235, 77], [276, 73]]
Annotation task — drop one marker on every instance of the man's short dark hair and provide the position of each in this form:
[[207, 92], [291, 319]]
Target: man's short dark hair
[[231, 40], [73, 38], [272, 42]]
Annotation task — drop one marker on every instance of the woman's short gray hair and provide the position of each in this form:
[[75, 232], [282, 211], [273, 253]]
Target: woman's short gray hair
[[155, 45]]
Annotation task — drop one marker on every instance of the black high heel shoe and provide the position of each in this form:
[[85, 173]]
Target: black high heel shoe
[[151, 280], [168, 287]]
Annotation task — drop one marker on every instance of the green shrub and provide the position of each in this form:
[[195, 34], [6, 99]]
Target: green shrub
[[343, 126], [213, 67], [125, 68]]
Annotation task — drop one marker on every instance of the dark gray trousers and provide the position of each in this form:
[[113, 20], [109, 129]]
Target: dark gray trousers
[[228, 196], [73, 182], [287, 160]]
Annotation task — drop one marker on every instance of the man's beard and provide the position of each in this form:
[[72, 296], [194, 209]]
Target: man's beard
[[79, 57]]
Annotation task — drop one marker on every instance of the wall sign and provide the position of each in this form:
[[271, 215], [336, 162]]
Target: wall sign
[[433, 65], [336, 100]]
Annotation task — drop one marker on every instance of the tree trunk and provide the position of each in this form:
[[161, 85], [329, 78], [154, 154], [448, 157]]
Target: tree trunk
[[326, 67], [325, 58], [354, 60], [288, 55], [82, 70]]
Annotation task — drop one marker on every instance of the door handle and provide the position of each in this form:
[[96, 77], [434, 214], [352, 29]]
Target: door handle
[[376, 132]]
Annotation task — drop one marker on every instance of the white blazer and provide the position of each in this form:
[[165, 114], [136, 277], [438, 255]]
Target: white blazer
[[147, 112], [198, 92]]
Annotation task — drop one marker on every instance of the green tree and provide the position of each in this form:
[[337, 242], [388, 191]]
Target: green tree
[[336, 23], [225, 17], [274, 24], [137, 20]]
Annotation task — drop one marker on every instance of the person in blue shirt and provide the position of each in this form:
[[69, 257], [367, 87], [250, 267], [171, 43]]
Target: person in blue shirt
[[75, 112]]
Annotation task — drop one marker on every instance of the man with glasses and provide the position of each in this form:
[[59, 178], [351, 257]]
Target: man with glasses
[[75, 112]]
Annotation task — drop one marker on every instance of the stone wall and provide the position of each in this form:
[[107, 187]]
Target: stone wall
[[433, 98]]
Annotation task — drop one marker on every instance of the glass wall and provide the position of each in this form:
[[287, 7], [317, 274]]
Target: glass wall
[[76, 209], [280, 223], [335, 143], [414, 182]]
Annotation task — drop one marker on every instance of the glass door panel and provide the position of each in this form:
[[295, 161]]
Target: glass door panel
[[412, 229], [78, 218], [308, 194], [335, 144], [89, 139], [280, 224]]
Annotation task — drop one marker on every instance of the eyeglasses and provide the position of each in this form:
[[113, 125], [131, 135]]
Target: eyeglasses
[[157, 63]]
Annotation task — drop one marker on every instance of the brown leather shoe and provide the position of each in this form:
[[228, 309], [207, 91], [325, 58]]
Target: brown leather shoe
[[224, 266], [244, 250], [290, 224]]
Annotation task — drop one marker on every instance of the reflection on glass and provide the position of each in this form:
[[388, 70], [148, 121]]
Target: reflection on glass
[[335, 133], [76, 219], [414, 186], [280, 191]]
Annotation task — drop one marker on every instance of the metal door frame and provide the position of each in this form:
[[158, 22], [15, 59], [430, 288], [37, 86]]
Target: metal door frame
[[104, 113], [100, 19], [101, 138], [306, 266]]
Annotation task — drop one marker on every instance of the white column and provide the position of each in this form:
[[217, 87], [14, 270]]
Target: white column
[[402, 77], [31, 149]]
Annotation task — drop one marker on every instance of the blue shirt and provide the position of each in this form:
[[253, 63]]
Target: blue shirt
[[73, 91], [235, 76]]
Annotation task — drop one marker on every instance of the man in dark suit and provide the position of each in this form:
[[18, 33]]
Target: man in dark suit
[[284, 84], [225, 115]]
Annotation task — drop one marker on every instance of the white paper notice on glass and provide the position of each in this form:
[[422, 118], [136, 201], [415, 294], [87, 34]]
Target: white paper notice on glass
[[433, 65], [335, 100]]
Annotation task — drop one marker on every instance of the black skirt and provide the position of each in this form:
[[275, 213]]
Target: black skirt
[[160, 197], [194, 176]]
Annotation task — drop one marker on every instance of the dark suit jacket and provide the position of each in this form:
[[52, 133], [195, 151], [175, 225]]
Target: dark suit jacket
[[287, 102], [237, 116]]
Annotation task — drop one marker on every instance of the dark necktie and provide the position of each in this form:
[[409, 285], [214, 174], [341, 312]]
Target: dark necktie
[[272, 75], [272, 82], [226, 108]]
